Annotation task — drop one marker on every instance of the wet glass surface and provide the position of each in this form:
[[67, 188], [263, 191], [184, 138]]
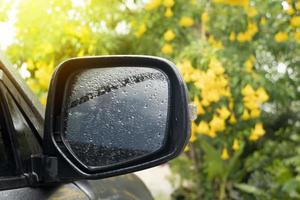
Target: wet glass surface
[[116, 114]]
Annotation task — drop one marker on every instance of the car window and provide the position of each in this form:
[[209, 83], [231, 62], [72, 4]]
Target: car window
[[27, 143]]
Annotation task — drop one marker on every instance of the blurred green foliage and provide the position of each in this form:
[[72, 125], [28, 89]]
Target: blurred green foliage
[[239, 58]]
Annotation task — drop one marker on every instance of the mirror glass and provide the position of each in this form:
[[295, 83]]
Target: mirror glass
[[114, 115]]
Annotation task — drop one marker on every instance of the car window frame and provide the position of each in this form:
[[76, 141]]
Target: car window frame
[[19, 179], [10, 99], [7, 137], [22, 178]]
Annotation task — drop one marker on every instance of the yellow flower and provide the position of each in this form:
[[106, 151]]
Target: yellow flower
[[224, 155], [186, 21], [168, 13], [141, 30], [259, 129], [248, 34], [281, 37], [216, 66], [205, 102], [295, 21], [251, 102], [196, 75], [200, 109], [224, 113], [252, 29], [262, 95], [212, 83], [193, 134], [217, 123], [249, 64], [169, 35], [245, 115], [168, 3], [212, 133], [236, 145], [248, 90], [243, 37], [167, 49], [263, 21], [30, 65], [203, 128], [204, 17], [253, 137], [214, 43], [43, 75], [211, 96], [255, 113], [257, 132], [251, 12], [297, 36], [231, 104], [232, 119], [187, 70], [153, 4], [290, 11], [232, 36]]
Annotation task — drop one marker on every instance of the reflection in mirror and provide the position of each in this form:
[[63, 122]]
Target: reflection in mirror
[[114, 115]]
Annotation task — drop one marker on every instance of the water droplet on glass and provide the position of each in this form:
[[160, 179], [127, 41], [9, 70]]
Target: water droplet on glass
[[127, 122]]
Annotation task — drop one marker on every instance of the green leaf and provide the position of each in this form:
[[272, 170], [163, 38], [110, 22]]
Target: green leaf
[[250, 189], [214, 165], [292, 187]]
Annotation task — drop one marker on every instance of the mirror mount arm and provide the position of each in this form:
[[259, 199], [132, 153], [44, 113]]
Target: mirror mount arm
[[43, 169]]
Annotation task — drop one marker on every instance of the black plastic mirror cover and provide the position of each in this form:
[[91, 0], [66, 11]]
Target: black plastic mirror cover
[[69, 167]]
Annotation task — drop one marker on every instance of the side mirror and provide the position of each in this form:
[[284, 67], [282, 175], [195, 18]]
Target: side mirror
[[113, 115]]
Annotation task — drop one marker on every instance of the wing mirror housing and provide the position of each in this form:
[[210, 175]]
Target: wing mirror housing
[[111, 115]]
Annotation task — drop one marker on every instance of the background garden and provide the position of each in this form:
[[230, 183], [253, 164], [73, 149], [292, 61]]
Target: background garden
[[239, 58]]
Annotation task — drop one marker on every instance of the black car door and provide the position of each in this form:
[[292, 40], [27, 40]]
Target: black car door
[[18, 141]]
